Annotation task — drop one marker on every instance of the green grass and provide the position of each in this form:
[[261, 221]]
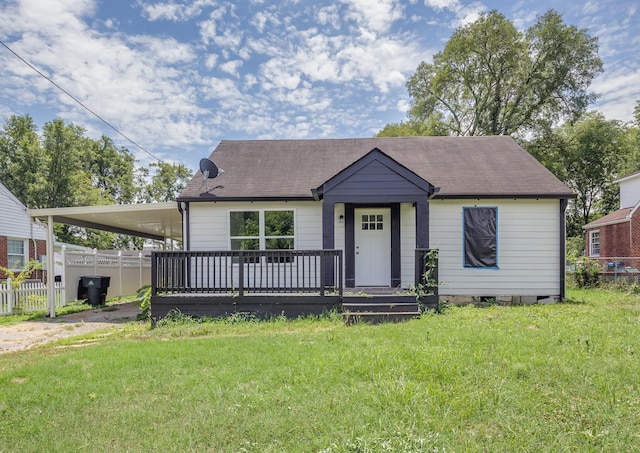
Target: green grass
[[558, 377]]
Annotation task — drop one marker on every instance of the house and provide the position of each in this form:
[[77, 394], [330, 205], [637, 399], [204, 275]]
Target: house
[[614, 239], [21, 239], [495, 215]]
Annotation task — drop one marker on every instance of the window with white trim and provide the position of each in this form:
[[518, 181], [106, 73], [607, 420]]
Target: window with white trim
[[594, 243], [16, 257], [262, 230]]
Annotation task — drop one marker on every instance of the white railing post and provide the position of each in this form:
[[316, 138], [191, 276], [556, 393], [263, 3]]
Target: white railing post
[[63, 275], [119, 273], [10, 295], [140, 264], [95, 261]]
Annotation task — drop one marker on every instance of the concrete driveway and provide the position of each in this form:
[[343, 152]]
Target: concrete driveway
[[28, 334]]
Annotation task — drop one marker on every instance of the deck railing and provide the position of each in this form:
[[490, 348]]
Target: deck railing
[[244, 272]]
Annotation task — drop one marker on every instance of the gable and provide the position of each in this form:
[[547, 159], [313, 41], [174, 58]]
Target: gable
[[462, 167], [377, 176], [14, 220]]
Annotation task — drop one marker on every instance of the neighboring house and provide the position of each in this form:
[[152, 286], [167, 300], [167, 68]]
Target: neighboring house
[[495, 214], [615, 238], [21, 239]]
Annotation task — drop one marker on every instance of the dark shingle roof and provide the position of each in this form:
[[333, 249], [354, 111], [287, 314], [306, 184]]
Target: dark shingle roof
[[619, 216], [461, 166]]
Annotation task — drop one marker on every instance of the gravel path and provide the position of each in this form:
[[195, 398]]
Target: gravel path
[[32, 333]]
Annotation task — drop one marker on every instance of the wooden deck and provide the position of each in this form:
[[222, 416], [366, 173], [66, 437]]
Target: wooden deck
[[263, 283]]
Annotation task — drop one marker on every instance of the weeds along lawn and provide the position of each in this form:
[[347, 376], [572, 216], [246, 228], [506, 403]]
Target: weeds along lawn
[[558, 377]]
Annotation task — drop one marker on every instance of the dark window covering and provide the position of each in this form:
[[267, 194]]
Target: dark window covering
[[480, 241]]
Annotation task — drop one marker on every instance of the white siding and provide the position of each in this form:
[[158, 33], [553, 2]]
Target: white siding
[[210, 232], [14, 220], [407, 244], [528, 244], [629, 192], [209, 228]]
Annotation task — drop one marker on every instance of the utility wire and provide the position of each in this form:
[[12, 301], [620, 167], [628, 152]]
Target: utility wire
[[79, 102]]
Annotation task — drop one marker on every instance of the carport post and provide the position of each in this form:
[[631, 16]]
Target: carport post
[[51, 270]]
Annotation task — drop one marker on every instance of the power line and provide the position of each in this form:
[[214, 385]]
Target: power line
[[79, 102]]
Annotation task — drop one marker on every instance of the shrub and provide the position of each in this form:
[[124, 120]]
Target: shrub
[[586, 272]]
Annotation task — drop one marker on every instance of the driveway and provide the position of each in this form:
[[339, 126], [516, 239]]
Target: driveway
[[32, 333]]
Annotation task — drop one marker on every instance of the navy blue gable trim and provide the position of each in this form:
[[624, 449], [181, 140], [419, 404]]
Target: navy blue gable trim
[[375, 175]]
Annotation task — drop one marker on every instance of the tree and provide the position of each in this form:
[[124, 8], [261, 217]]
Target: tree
[[491, 79], [65, 168], [414, 129], [587, 156], [111, 169], [21, 159], [167, 182]]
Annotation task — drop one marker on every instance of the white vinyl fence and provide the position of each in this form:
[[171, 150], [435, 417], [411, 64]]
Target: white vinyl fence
[[127, 273], [29, 297]]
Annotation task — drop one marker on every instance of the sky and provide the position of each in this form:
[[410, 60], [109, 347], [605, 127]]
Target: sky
[[176, 77]]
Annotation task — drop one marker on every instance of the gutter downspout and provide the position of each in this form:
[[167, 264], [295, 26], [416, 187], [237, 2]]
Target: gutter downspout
[[186, 237], [563, 248]]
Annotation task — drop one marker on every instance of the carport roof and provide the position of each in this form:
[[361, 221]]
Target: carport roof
[[157, 221]]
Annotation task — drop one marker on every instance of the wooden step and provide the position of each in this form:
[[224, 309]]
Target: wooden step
[[378, 309], [375, 307], [378, 317]]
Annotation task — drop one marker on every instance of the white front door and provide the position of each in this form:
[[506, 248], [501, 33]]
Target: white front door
[[373, 246]]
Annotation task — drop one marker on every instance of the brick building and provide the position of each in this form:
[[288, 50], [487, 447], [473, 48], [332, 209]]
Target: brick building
[[21, 239], [615, 238]]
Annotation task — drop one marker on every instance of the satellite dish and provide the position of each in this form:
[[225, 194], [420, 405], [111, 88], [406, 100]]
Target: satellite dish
[[209, 171]]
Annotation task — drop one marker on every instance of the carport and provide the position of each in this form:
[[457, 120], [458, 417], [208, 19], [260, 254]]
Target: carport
[[158, 221]]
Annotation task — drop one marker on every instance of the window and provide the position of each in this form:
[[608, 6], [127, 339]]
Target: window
[[372, 222], [262, 230], [15, 254], [480, 237], [278, 230], [244, 228], [594, 243]]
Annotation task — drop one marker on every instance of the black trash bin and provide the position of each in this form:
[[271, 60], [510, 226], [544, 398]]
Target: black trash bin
[[94, 288]]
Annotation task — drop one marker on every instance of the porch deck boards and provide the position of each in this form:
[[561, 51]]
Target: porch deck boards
[[263, 283]]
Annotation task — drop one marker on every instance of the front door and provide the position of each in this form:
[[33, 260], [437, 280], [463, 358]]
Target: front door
[[372, 239]]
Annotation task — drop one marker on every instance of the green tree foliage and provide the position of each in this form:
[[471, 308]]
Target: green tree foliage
[[491, 79], [21, 159], [112, 170], [62, 168], [167, 182], [588, 156], [430, 127]]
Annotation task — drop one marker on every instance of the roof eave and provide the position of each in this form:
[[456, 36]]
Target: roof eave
[[596, 224], [504, 195], [244, 198]]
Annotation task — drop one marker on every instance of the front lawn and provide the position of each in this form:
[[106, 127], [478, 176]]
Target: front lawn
[[560, 377]]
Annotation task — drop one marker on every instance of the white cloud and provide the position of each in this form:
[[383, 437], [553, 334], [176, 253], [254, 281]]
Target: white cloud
[[209, 28], [465, 14], [172, 11], [615, 89], [210, 61], [139, 83], [330, 15], [377, 15], [231, 67]]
